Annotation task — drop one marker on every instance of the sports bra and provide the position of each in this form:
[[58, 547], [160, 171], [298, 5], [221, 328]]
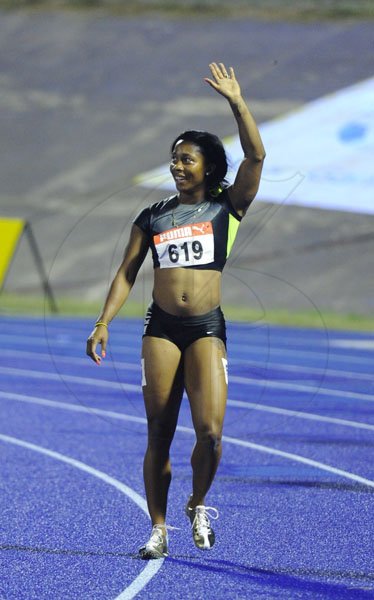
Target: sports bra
[[191, 236]]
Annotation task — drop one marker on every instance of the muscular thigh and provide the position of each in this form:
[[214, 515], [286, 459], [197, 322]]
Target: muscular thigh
[[162, 378], [205, 377]]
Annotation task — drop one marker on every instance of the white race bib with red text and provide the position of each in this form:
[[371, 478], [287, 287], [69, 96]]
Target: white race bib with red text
[[185, 246]]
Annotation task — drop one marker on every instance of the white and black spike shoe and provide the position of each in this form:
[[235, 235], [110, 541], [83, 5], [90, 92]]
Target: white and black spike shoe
[[202, 532], [157, 545]]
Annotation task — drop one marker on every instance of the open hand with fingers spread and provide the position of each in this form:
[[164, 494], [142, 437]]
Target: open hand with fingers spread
[[224, 81]]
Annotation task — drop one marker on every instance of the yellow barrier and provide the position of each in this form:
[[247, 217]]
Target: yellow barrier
[[10, 233]]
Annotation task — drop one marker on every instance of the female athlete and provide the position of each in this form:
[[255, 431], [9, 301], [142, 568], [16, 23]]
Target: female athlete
[[184, 344]]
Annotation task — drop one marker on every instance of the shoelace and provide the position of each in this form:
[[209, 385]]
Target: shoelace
[[156, 533], [202, 515], [158, 538]]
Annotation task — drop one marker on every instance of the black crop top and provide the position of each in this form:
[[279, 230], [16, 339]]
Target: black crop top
[[192, 236]]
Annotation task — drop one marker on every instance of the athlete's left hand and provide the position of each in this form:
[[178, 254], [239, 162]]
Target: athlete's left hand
[[224, 81]]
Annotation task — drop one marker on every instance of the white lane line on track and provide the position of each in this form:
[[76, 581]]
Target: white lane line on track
[[301, 459], [298, 387], [136, 388], [327, 355], [355, 344], [118, 364], [234, 403], [69, 360], [230, 440], [66, 340], [103, 383], [301, 369], [152, 567], [300, 414]]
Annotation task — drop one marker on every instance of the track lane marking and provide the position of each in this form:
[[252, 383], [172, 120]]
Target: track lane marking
[[90, 381], [355, 344], [328, 355], [57, 358], [235, 403], [30, 341], [304, 369], [228, 439], [298, 387], [136, 388], [118, 364], [152, 567], [301, 415]]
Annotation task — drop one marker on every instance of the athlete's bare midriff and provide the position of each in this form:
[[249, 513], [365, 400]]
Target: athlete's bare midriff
[[187, 292]]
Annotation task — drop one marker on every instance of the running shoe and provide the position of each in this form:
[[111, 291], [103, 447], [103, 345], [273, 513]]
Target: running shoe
[[157, 545], [202, 532]]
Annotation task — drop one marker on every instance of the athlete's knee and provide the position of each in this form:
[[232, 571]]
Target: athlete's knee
[[160, 431], [211, 436]]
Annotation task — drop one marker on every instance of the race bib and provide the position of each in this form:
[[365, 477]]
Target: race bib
[[185, 246]]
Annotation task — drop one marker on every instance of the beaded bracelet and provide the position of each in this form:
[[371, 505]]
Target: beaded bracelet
[[101, 323]]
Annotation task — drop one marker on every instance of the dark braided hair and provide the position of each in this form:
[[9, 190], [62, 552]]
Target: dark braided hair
[[214, 154]]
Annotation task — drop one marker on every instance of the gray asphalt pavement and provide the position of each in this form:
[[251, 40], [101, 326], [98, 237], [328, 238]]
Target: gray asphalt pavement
[[89, 101]]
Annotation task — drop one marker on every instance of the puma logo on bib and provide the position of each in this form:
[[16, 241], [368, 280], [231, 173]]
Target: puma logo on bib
[[185, 246]]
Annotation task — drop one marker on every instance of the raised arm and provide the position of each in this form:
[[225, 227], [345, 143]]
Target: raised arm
[[120, 288], [247, 180]]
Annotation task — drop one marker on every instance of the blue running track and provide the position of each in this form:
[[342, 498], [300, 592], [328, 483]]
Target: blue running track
[[294, 490]]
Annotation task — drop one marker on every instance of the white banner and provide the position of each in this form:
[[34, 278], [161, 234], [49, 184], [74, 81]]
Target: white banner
[[321, 155]]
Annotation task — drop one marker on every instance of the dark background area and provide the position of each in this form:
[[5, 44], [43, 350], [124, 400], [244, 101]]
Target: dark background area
[[90, 99]]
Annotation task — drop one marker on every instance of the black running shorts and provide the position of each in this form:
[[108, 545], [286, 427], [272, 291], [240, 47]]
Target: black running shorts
[[183, 331]]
